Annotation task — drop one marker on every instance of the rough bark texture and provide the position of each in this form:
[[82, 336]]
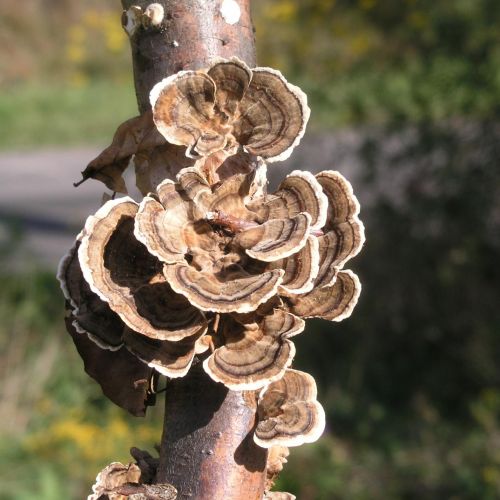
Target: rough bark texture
[[192, 33], [207, 451]]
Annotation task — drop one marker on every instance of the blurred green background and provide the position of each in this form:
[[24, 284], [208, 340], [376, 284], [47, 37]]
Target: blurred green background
[[405, 98]]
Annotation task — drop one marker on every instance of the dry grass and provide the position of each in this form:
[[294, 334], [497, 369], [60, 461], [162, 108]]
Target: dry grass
[[35, 36], [24, 377]]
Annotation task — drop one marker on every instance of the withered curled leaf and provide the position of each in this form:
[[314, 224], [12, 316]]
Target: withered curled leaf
[[123, 378], [134, 135], [137, 140]]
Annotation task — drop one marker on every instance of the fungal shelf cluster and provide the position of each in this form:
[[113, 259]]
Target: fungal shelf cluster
[[209, 266]]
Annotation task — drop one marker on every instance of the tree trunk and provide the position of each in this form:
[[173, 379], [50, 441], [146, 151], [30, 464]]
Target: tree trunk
[[207, 451], [192, 32]]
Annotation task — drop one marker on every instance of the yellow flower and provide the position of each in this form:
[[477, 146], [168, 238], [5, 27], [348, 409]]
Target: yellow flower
[[490, 474], [367, 4], [75, 53], [78, 79], [282, 11]]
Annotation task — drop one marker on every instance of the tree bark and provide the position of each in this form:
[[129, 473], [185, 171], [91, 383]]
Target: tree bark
[[192, 33], [207, 451]]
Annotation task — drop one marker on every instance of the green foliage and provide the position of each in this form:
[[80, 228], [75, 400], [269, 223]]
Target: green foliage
[[56, 429], [366, 61], [33, 115], [410, 382], [383, 61], [430, 460]]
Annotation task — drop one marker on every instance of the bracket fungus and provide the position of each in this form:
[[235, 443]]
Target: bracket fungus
[[121, 271], [172, 359], [228, 106], [90, 315], [276, 459], [113, 476], [209, 267], [135, 18], [122, 361], [288, 412], [200, 246], [225, 108], [255, 351], [278, 495], [121, 482]]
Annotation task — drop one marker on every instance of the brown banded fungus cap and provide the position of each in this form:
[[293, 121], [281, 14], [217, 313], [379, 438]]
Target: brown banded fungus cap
[[121, 271], [288, 412], [255, 349], [228, 106], [335, 291], [172, 359], [276, 459], [278, 495], [113, 476], [314, 283], [220, 166], [122, 482], [228, 247], [119, 359], [210, 242], [90, 315]]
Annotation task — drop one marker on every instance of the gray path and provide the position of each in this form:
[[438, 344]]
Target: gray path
[[40, 210]]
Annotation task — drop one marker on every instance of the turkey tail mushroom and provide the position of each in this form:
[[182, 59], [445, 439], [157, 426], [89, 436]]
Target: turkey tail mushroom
[[288, 412]]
